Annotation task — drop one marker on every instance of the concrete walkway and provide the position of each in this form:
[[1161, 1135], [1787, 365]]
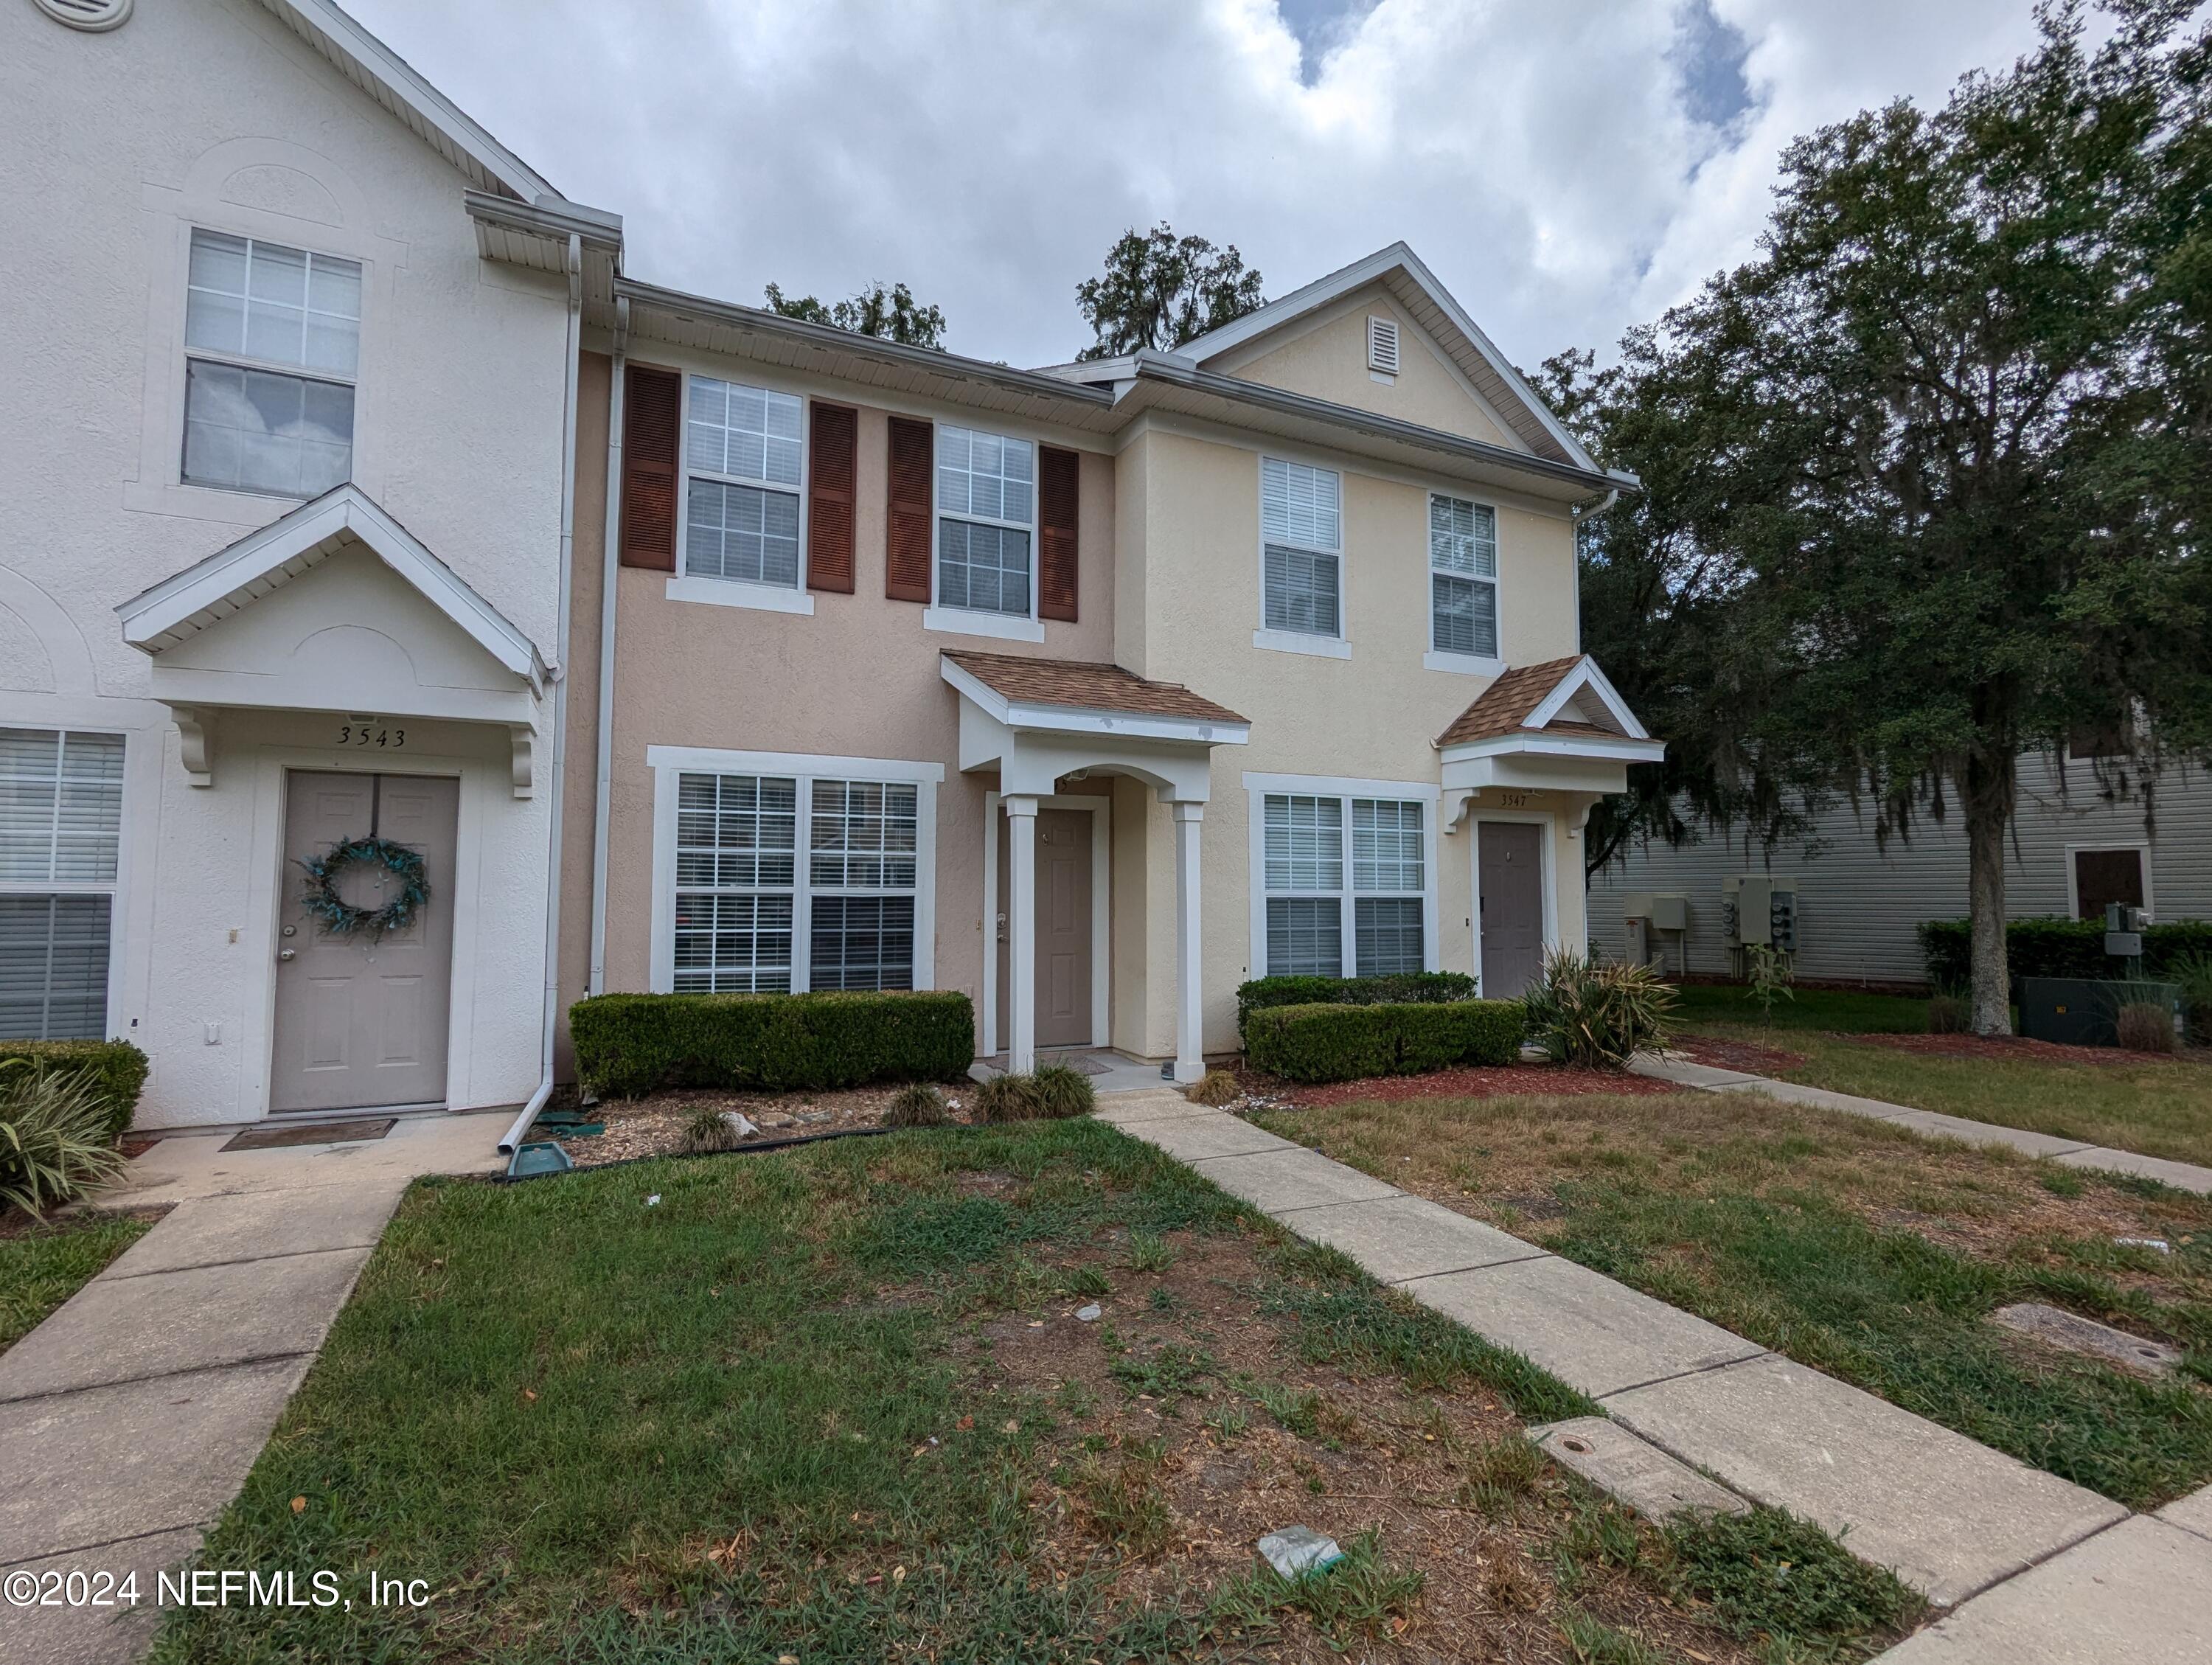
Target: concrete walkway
[[2073, 1152], [131, 1416], [1950, 1516]]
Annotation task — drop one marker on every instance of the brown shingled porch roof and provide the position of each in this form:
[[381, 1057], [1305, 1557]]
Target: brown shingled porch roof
[[1085, 685]]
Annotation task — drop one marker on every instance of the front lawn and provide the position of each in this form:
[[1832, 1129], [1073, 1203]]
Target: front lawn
[[837, 1404], [1858, 1249], [41, 1265], [1846, 1011]]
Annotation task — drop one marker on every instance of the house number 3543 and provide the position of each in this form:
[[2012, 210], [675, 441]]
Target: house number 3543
[[369, 734]]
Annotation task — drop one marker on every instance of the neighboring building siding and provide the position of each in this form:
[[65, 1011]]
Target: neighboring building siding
[[1858, 904]]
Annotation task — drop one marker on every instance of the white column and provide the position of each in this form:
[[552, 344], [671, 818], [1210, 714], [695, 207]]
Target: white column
[[1190, 1034], [1021, 934]]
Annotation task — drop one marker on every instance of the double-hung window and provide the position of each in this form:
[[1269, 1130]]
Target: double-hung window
[[986, 521], [272, 345], [1462, 578], [741, 455], [750, 916], [61, 826], [1302, 536], [1318, 925]]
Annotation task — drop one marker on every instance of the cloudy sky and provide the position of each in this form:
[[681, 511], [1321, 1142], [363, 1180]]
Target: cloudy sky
[[1568, 167]]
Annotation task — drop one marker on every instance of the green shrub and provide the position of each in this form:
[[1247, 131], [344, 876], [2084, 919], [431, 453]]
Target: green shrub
[[1417, 987], [2193, 971], [55, 1142], [2051, 947], [629, 1044], [1597, 1014], [116, 1069], [1313, 1043], [1948, 1014], [917, 1104]]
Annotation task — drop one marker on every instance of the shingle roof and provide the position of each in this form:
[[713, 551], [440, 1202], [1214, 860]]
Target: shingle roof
[[1503, 706], [1086, 686]]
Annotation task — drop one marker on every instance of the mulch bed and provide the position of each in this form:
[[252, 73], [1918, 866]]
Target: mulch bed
[[1747, 1056], [1507, 1081], [2015, 1048], [654, 1125]]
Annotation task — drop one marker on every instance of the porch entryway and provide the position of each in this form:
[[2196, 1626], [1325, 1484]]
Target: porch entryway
[[1071, 869]]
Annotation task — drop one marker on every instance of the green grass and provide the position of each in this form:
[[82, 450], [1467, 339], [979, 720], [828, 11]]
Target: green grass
[[1844, 1011], [1767, 1575], [46, 1264]]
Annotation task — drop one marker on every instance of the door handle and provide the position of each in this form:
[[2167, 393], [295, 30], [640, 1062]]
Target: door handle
[[287, 953]]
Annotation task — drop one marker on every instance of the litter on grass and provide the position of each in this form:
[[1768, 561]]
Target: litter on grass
[[1087, 1314], [1296, 1551]]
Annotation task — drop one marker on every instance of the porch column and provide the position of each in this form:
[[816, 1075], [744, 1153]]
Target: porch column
[[1190, 1055], [1021, 934]]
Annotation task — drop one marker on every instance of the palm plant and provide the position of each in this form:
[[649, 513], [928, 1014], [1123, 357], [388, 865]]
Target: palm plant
[[1597, 1014], [54, 1140]]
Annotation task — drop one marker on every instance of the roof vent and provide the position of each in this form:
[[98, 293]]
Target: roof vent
[[90, 15], [1382, 345]]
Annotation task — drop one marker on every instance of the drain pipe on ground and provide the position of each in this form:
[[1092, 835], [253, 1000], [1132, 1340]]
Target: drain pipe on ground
[[520, 1127], [609, 581]]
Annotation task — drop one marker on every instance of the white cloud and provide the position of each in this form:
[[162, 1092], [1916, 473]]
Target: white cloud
[[1541, 157]]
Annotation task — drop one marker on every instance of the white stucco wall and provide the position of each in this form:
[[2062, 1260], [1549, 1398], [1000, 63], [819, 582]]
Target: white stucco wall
[[209, 112]]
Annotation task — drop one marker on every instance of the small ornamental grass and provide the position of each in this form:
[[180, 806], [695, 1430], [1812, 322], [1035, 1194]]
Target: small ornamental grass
[[917, 1104], [56, 1136], [2144, 1026], [1054, 1093], [1597, 1014], [1215, 1089], [1949, 1014], [710, 1132]]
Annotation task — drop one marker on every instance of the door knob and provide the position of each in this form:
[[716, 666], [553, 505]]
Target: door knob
[[287, 953]]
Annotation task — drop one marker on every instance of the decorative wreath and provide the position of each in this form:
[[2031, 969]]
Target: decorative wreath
[[340, 917]]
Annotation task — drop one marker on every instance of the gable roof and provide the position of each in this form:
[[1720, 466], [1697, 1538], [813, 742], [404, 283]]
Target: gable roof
[[1532, 699], [1430, 305], [1084, 685], [234, 578]]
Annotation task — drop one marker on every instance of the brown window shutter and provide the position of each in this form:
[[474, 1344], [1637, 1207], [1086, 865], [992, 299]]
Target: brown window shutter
[[832, 459], [906, 565], [1058, 472], [653, 429]]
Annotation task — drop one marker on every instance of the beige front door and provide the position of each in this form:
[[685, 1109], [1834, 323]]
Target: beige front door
[[361, 1023], [1063, 929]]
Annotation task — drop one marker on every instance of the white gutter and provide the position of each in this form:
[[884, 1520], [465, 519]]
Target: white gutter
[[610, 580], [520, 1127]]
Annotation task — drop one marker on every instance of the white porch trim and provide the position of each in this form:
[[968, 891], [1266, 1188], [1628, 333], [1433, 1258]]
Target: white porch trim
[[1101, 811]]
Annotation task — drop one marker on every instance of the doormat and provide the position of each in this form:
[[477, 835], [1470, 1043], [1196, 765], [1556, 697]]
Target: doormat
[[310, 1132]]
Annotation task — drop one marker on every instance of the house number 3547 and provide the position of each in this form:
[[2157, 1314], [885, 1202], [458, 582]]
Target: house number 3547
[[368, 734]]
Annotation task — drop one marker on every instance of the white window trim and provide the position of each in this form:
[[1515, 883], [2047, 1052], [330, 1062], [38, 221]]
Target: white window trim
[[115, 889], [976, 621], [1257, 786], [1546, 872], [670, 764], [2111, 848], [1465, 665], [1101, 811], [683, 585], [1337, 647]]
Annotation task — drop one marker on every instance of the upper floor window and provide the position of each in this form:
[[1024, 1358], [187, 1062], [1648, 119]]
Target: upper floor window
[[272, 344], [61, 827], [1302, 533], [1462, 577], [741, 495], [986, 513]]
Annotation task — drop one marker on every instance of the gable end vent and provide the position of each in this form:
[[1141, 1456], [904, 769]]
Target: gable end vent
[[1382, 345], [91, 16]]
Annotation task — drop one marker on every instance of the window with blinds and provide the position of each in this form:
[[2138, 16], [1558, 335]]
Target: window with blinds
[[750, 917], [741, 458], [61, 834], [1318, 924], [986, 521], [1301, 535], [1462, 577]]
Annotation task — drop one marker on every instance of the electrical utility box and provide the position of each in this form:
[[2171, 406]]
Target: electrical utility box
[[1759, 911], [1646, 916]]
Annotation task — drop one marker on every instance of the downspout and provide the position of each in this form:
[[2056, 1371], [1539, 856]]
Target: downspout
[[609, 579], [520, 1127]]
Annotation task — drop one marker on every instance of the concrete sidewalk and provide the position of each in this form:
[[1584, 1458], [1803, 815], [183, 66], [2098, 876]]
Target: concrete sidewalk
[[1950, 1516], [2073, 1152], [131, 1416]]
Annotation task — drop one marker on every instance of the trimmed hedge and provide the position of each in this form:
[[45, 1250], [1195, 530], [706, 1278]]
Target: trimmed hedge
[[629, 1044], [2054, 947], [1338, 1043], [1417, 988], [117, 1070]]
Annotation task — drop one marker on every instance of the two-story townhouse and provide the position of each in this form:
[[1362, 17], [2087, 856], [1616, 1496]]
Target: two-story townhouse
[[282, 504], [1090, 691]]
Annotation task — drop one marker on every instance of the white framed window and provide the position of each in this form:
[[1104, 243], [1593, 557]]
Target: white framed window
[[743, 478], [812, 875], [986, 522], [1301, 556], [272, 349], [61, 834], [1346, 884], [1462, 581]]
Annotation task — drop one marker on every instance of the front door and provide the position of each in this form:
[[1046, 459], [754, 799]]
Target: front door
[[1063, 930], [360, 1022], [1509, 898]]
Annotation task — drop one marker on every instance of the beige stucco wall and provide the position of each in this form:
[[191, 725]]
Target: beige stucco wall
[[1324, 357]]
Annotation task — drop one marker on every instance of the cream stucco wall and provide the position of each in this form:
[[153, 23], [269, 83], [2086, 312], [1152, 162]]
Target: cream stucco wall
[[210, 112]]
